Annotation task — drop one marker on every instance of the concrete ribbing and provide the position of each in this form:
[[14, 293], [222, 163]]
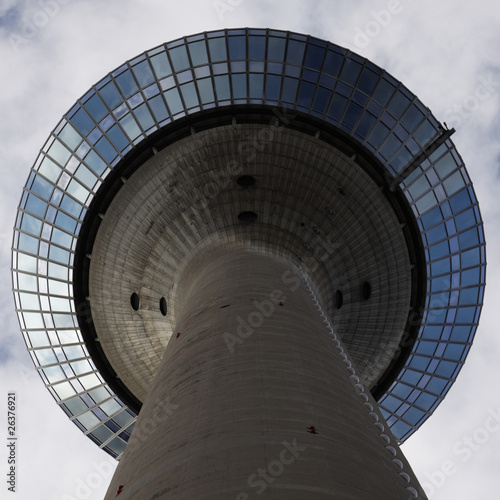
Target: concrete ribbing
[[231, 403]]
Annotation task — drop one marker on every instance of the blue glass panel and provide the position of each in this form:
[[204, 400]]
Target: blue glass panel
[[256, 47], [436, 385], [95, 162], [365, 124], [461, 333], [400, 429], [432, 332], [179, 58], [383, 92], [471, 257], [28, 244], [198, 52], [110, 95], [398, 104], [144, 117], [289, 89], [82, 122], [71, 206], [205, 88], [143, 73], [391, 145], [471, 277], [468, 239], [239, 86], [465, 220], [295, 52], [465, 315], [424, 133], [161, 65], [222, 87], [391, 404], [306, 94], [378, 135], [273, 87], [454, 351], [469, 296], [314, 57], [174, 101], [419, 363], [276, 49], [460, 201], [217, 47], [436, 234], [106, 150], [402, 390], [412, 118], [441, 267], [118, 138], [352, 115], [96, 107], [256, 90], [42, 188], [446, 368], [237, 47], [35, 206], [127, 83], [367, 81], [413, 416], [333, 63], [59, 255], [427, 348], [65, 222], [337, 107], [350, 72]]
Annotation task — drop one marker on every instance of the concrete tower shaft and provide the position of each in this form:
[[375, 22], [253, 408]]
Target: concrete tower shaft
[[254, 395], [308, 199]]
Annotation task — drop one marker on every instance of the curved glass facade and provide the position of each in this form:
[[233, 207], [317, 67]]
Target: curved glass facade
[[241, 67]]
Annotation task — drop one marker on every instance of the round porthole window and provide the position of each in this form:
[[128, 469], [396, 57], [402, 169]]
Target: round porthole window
[[163, 306], [134, 301]]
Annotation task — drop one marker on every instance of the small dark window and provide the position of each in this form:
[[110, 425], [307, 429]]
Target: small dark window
[[247, 216], [134, 301], [366, 290], [339, 299], [246, 181], [163, 306]]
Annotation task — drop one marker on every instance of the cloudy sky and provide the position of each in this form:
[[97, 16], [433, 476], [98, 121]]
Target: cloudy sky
[[446, 52]]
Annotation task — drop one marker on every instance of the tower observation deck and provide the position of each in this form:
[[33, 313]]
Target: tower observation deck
[[258, 259]]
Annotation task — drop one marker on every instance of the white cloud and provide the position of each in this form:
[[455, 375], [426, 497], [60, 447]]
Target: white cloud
[[439, 50]]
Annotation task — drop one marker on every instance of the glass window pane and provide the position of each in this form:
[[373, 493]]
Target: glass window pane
[[174, 101], [237, 47], [143, 73], [295, 52], [256, 47], [126, 83], [179, 58], [96, 108], [198, 51], [161, 65], [110, 95]]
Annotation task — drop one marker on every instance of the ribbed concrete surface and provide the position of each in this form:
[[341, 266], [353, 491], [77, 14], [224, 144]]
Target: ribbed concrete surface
[[311, 201], [242, 380]]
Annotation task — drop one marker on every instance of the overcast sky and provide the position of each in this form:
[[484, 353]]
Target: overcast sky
[[446, 52]]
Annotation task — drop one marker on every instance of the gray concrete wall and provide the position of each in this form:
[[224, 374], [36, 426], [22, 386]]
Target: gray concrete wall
[[250, 368]]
